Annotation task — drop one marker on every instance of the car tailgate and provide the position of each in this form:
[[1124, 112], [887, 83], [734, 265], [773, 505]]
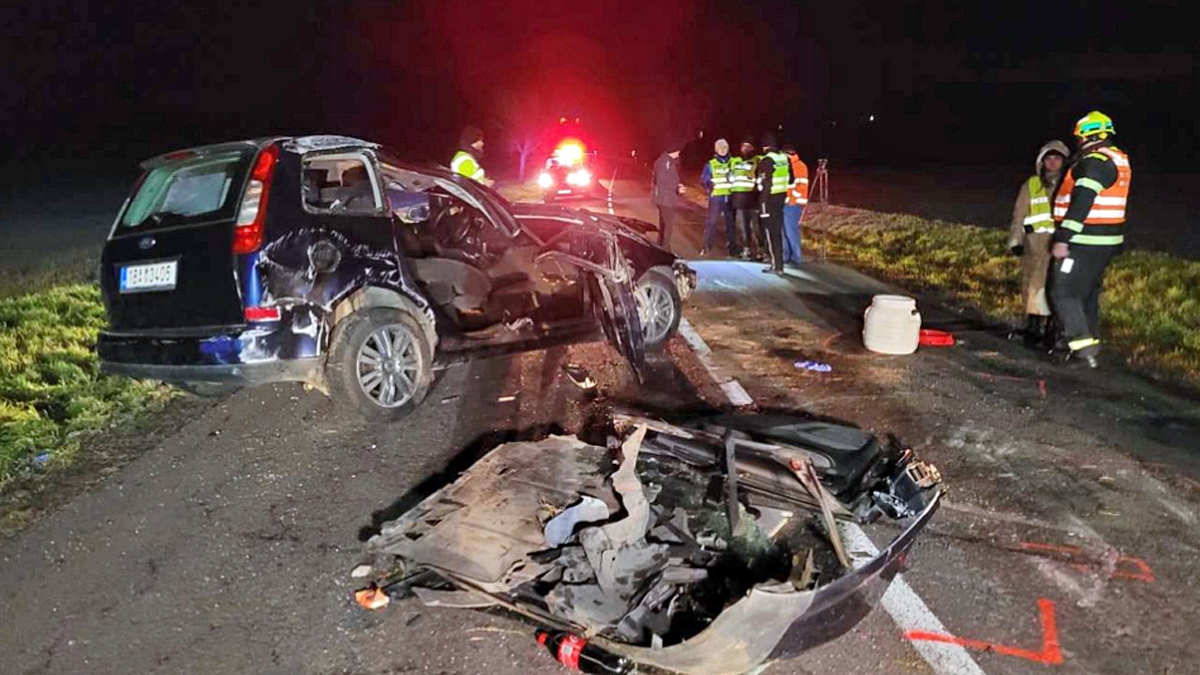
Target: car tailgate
[[169, 263]]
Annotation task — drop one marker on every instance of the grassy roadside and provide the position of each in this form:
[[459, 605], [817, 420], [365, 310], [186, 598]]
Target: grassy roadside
[[53, 401], [1150, 306]]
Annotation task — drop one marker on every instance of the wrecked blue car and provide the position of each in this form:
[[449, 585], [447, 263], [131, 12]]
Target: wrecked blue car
[[328, 260]]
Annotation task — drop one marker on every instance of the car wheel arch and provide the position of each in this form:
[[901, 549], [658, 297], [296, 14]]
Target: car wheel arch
[[369, 297]]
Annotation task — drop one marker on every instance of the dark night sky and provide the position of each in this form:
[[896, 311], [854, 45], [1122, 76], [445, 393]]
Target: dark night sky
[[947, 82]]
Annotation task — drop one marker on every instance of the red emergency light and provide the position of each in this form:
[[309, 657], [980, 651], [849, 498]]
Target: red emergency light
[[569, 152]]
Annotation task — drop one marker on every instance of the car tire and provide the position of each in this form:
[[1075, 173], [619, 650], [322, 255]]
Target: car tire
[[659, 308], [360, 373], [209, 389]]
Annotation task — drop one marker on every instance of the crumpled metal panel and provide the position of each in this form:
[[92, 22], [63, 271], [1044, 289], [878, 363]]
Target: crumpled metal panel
[[305, 144], [484, 525], [308, 291], [775, 621], [484, 528]]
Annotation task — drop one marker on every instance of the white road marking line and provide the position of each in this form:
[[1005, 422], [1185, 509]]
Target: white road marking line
[[900, 601], [911, 613], [732, 388]]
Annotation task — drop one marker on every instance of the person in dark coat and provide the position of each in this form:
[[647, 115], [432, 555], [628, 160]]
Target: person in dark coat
[[666, 191]]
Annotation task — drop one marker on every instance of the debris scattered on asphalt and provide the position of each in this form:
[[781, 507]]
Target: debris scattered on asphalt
[[803, 574], [372, 597], [455, 599], [520, 324], [815, 366], [561, 527], [448, 399], [579, 376], [575, 652], [677, 547], [506, 399], [807, 476], [361, 571]]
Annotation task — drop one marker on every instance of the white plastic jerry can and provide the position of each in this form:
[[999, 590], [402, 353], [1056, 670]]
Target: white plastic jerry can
[[892, 325]]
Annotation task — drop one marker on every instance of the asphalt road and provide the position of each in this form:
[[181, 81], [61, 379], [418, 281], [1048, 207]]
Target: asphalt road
[[227, 547]]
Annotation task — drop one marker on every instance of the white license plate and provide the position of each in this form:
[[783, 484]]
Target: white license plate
[[153, 277], [564, 192]]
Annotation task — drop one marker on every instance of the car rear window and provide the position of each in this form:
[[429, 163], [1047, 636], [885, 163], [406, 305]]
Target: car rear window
[[189, 190]]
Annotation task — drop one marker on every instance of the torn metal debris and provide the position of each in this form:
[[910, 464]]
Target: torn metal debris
[[705, 549]]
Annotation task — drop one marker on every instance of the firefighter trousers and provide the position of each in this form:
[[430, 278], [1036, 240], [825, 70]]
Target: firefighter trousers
[[1075, 285]]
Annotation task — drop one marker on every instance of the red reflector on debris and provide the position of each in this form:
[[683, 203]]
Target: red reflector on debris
[[262, 313], [935, 338]]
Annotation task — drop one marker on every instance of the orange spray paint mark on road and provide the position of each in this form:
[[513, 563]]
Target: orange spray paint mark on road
[[1141, 570], [1051, 652]]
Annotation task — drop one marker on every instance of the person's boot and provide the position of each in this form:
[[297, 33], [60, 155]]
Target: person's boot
[[1050, 335], [1035, 328], [1081, 359], [1086, 357]]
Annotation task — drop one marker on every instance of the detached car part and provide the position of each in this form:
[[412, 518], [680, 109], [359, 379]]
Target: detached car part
[[649, 566]]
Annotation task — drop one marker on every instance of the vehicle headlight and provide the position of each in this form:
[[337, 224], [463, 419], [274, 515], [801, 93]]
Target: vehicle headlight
[[580, 177], [545, 180]]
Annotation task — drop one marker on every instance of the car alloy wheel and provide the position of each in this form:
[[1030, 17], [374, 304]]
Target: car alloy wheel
[[656, 310], [389, 365]]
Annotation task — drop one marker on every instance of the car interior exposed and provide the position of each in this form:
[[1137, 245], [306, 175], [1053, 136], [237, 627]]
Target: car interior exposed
[[339, 184], [476, 271]]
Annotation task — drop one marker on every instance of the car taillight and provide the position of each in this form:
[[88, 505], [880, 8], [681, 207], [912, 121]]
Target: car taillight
[[546, 180], [261, 313], [248, 230]]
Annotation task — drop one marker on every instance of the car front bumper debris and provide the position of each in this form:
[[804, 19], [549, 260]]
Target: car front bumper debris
[[658, 560]]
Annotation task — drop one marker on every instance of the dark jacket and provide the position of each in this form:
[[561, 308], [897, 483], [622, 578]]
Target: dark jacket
[[665, 182]]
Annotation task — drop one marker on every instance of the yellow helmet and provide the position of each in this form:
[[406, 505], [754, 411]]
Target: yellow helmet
[[1094, 123]]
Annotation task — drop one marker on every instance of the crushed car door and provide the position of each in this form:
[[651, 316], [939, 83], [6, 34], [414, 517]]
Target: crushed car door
[[608, 280], [617, 312]]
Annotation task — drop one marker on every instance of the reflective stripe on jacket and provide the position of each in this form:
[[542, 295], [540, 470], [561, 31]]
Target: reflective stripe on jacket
[[798, 194], [742, 177], [781, 170], [465, 164], [1103, 224], [722, 176], [1039, 207]]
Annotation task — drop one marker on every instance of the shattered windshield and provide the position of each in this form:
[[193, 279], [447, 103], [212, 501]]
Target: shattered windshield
[[191, 189]]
